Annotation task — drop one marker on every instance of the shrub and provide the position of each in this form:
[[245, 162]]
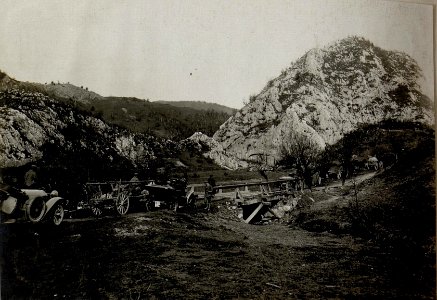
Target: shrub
[[311, 107]]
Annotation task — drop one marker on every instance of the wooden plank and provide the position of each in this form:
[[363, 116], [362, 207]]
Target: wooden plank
[[273, 285], [251, 201], [254, 213], [248, 184]]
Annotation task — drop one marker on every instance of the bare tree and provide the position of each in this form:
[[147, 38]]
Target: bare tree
[[302, 152], [260, 160]]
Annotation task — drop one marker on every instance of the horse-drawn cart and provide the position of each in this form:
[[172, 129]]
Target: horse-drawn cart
[[112, 195]]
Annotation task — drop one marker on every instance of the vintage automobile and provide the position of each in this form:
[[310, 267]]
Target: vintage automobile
[[31, 205], [171, 195]]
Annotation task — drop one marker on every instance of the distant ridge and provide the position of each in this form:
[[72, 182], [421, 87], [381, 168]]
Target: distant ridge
[[200, 105]]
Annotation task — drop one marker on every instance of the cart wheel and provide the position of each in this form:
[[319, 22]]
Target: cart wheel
[[58, 215], [97, 211], [191, 201], [122, 203]]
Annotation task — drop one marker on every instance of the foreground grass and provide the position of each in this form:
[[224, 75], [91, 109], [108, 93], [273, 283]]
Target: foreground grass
[[164, 255]]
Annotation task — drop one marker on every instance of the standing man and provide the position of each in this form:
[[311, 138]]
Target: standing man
[[211, 181], [209, 191], [263, 173]]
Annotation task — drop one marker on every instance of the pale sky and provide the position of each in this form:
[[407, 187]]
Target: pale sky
[[215, 51]]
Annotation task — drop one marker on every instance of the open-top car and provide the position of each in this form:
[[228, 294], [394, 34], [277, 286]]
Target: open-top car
[[31, 205], [174, 194]]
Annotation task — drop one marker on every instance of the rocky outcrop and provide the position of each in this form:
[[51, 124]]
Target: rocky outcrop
[[216, 151], [325, 94], [31, 123]]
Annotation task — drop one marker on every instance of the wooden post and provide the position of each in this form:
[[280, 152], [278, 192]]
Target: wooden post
[[238, 196], [263, 189], [254, 213]]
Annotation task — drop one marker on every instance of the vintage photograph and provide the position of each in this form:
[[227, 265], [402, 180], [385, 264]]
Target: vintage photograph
[[217, 149]]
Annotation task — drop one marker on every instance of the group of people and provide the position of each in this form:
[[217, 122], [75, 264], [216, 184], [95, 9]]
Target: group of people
[[29, 181], [12, 186]]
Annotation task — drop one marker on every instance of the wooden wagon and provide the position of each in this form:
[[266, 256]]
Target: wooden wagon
[[109, 195]]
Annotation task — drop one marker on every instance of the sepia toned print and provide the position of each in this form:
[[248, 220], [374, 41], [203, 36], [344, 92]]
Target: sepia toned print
[[217, 150]]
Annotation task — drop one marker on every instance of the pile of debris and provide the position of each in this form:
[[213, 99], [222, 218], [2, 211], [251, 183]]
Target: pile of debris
[[268, 212]]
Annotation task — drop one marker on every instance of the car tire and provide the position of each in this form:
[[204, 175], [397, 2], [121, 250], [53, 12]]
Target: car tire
[[57, 215], [35, 209], [191, 202]]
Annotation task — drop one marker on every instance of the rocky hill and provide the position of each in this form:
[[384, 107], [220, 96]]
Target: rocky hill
[[66, 92], [325, 94], [32, 121], [66, 142]]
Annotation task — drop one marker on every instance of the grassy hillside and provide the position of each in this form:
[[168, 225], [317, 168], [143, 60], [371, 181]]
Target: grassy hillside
[[395, 210], [164, 120], [161, 120], [410, 178], [200, 105]]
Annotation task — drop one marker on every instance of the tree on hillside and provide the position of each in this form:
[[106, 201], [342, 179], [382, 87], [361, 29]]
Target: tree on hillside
[[353, 143], [299, 151], [347, 147]]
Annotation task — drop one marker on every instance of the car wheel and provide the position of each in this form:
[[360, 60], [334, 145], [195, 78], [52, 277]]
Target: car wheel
[[191, 201], [150, 203], [35, 209], [58, 215]]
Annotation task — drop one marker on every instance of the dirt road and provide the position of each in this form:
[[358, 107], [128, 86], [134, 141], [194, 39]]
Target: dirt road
[[331, 190], [358, 179]]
